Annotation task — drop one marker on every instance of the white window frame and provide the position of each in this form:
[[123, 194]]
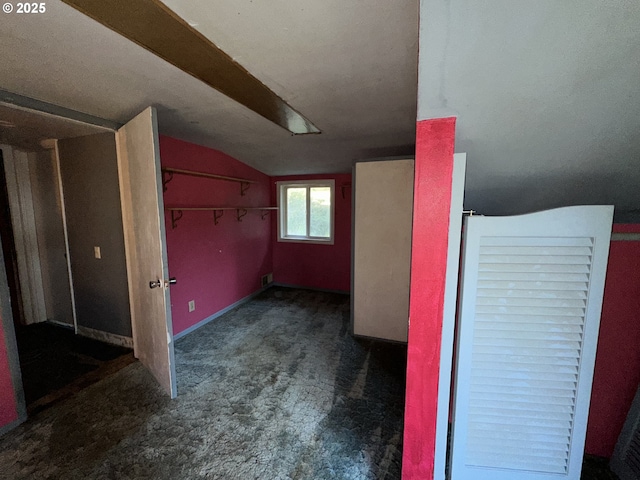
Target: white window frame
[[282, 211]]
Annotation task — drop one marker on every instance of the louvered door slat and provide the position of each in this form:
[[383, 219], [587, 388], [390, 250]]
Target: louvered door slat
[[505, 380], [491, 332], [531, 319], [506, 405], [517, 310], [511, 292], [533, 268], [510, 342], [510, 411], [497, 324], [504, 279], [551, 440], [528, 307]]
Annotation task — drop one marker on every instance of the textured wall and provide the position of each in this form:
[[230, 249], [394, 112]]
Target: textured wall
[[11, 396], [617, 369], [215, 265], [312, 265], [89, 173], [8, 410]]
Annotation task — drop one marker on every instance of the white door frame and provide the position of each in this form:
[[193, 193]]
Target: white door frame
[[449, 314]]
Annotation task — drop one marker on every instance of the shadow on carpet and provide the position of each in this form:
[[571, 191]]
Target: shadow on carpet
[[274, 389], [54, 357]]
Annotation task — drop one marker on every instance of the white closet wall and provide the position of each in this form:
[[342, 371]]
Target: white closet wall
[[383, 211], [18, 165]]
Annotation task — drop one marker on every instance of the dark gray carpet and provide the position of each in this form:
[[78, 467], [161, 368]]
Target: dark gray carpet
[[276, 389]]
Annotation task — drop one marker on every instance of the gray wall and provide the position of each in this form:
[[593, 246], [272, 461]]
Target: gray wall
[[89, 172]]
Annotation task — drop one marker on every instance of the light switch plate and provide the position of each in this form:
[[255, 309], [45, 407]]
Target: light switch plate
[[96, 252]]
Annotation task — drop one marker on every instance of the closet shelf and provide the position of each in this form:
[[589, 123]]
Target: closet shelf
[[168, 173], [177, 212]]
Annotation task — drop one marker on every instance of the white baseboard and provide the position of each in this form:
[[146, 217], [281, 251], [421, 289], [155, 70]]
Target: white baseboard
[[219, 313], [106, 337], [61, 324]]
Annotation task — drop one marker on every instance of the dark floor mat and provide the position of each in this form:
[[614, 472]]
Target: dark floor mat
[[52, 357]]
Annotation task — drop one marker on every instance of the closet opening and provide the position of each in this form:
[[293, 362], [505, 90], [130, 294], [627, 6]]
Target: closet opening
[[55, 360]]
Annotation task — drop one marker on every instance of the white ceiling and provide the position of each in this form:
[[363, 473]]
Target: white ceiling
[[27, 129], [547, 93]]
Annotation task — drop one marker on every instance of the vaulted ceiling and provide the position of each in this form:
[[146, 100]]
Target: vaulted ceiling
[[547, 93], [349, 67]]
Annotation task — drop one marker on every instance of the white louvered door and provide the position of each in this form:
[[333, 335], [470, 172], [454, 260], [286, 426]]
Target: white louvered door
[[531, 297]]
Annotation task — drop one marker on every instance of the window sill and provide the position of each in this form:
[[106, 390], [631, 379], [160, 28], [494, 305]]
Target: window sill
[[312, 241]]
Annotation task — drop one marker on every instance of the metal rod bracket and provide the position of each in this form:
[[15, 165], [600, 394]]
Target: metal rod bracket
[[241, 212], [166, 178], [175, 216]]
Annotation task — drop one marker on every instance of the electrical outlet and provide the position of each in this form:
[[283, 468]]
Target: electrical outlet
[[96, 252], [192, 305]]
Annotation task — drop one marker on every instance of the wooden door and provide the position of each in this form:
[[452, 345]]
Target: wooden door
[[145, 246], [531, 296], [383, 212]]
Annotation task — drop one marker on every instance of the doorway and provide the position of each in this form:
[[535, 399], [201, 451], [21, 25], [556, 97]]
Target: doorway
[[54, 361]]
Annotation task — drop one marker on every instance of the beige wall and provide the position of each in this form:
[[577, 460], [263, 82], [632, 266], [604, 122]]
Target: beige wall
[[382, 248]]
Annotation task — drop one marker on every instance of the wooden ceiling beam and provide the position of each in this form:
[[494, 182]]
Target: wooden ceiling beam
[[155, 27]]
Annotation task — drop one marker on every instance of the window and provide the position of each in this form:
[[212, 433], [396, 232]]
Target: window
[[306, 211]]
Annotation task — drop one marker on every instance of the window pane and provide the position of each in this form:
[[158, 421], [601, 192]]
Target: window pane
[[320, 212], [297, 211]]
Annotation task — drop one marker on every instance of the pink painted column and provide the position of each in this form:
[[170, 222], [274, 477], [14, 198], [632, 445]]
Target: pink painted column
[[431, 209]]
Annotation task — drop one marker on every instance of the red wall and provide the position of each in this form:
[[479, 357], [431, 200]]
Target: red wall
[[215, 265], [8, 410], [317, 266], [617, 369], [431, 210]]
